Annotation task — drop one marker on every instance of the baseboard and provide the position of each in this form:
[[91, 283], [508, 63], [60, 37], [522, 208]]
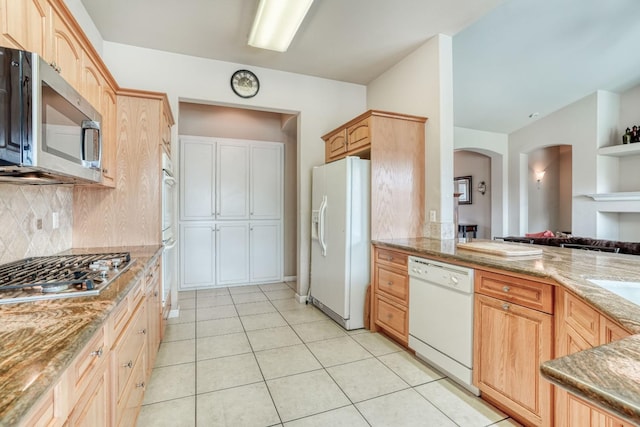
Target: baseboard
[[290, 278], [302, 299]]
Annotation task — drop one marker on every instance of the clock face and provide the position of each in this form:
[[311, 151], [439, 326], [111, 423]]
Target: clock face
[[244, 83]]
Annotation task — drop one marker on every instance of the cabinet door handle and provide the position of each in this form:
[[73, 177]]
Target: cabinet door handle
[[143, 331], [155, 294], [506, 306], [140, 384], [129, 364], [506, 288], [97, 353]]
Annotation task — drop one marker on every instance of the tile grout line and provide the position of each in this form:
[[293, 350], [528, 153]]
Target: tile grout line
[[306, 346]]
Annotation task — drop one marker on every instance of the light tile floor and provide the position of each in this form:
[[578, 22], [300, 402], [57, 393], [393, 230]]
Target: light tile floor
[[252, 356]]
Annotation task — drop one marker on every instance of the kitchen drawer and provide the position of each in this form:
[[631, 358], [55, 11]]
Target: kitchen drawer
[[392, 318], [396, 259], [393, 283], [130, 402], [122, 313], [582, 318], [516, 290], [128, 348], [84, 368]]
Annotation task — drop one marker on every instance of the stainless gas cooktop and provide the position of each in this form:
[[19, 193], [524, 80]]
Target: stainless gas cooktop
[[64, 276]]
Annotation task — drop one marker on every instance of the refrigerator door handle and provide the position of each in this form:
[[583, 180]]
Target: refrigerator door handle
[[321, 219]]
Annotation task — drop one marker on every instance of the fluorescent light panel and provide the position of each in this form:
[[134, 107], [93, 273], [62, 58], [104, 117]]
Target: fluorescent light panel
[[276, 22]]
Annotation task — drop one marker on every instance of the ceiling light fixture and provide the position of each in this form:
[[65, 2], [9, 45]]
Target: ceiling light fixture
[[276, 22]]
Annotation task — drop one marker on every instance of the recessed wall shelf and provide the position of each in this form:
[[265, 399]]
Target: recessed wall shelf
[[616, 197], [620, 150]]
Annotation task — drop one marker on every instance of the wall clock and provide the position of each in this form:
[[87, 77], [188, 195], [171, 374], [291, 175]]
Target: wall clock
[[245, 84]]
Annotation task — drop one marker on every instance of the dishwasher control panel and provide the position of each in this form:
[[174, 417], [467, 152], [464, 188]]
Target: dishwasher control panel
[[442, 274]]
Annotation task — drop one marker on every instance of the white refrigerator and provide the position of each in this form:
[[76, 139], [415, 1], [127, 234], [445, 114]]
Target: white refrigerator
[[340, 240]]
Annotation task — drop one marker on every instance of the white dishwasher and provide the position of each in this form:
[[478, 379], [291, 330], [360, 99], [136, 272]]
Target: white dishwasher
[[441, 317]]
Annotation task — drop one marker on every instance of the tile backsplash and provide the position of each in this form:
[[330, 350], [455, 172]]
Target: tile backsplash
[[27, 220]]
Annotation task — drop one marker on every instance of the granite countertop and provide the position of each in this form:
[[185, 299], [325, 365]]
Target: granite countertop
[[38, 340], [609, 375]]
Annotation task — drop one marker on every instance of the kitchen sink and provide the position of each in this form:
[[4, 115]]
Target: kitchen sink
[[627, 290]]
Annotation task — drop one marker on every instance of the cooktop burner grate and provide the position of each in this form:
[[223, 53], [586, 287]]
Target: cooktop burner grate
[[60, 276]]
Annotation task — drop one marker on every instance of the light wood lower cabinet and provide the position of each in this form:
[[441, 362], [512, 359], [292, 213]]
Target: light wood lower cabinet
[[105, 384], [93, 408], [154, 313], [580, 327], [390, 294], [511, 341], [128, 365]]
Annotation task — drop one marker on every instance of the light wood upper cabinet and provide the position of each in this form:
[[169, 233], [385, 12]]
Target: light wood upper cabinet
[[24, 24], [580, 327], [335, 145], [358, 136], [352, 139], [511, 340], [92, 82], [395, 145], [66, 52], [109, 136], [131, 213]]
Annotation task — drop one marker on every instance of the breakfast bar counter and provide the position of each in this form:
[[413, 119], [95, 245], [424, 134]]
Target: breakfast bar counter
[[38, 340], [608, 375]]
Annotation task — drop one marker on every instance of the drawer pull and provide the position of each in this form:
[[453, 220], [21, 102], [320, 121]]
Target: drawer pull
[[143, 331], [155, 294], [140, 385], [505, 306], [97, 353], [389, 283], [129, 364], [389, 316], [506, 288], [389, 258]]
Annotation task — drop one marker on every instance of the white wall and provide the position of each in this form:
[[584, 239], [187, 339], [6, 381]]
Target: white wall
[[494, 145], [421, 84], [322, 105], [564, 177], [544, 196], [478, 166], [79, 12], [575, 125]]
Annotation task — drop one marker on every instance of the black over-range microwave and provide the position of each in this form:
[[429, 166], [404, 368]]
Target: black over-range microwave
[[48, 132]]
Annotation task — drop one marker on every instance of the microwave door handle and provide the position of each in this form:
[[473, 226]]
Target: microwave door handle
[[87, 126]]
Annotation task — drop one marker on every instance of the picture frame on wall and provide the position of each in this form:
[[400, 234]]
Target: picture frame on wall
[[462, 185]]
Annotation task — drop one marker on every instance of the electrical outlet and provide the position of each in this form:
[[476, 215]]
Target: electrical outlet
[[432, 215], [55, 220]]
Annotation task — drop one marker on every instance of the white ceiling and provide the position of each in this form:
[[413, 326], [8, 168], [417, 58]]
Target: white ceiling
[[511, 57]]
